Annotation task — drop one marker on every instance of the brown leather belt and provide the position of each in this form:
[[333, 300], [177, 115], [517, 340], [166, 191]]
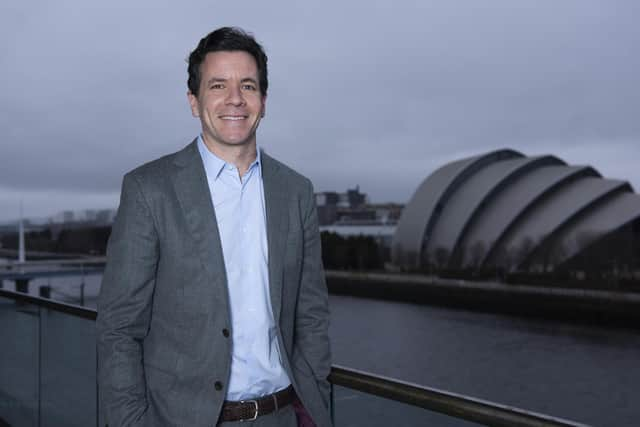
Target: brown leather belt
[[245, 410]]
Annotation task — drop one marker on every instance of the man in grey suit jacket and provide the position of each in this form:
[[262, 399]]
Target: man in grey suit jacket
[[199, 322]]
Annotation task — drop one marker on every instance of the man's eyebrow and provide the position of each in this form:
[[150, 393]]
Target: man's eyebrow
[[221, 79], [215, 80]]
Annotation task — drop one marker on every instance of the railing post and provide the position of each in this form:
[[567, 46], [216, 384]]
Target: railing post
[[45, 291], [332, 404], [22, 285], [97, 394], [39, 368]]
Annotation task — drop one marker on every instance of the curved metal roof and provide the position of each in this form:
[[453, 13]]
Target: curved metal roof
[[551, 212], [422, 212], [612, 214], [467, 203], [504, 203], [514, 199]]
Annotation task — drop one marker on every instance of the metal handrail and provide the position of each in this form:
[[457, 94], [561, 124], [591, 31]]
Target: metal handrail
[[456, 405], [90, 260], [453, 404], [62, 307]]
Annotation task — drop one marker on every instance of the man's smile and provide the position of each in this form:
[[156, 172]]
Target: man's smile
[[233, 117]]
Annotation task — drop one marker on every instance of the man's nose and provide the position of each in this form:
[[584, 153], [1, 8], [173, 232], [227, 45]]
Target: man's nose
[[234, 96]]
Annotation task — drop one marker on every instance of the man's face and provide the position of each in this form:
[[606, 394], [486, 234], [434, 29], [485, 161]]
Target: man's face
[[229, 103]]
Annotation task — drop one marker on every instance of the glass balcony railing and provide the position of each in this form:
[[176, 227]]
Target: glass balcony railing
[[48, 378]]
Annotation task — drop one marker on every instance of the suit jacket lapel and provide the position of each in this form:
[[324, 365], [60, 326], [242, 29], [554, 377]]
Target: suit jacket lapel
[[276, 205], [192, 190], [193, 193]]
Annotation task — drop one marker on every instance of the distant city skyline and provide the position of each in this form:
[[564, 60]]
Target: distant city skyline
[[71, 215], [88, 213], [376, 94]]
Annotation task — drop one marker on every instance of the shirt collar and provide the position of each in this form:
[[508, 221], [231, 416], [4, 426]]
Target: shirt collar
[[213, 165]]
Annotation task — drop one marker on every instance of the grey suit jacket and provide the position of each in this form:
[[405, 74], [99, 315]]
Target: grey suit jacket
[[163, 358]]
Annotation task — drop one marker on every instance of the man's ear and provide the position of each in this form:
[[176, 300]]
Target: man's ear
[[264, 106], [193, 102]]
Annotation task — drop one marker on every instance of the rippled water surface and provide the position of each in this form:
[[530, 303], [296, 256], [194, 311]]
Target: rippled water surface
[[579, 372]]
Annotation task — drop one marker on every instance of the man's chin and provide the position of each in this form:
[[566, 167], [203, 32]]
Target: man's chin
[[230, 140], [239, 141], [239, 138]]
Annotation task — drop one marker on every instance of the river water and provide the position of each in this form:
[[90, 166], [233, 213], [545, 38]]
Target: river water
[[583, 373]]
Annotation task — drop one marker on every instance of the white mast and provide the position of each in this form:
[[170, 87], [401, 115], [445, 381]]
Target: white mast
[[21, 249]]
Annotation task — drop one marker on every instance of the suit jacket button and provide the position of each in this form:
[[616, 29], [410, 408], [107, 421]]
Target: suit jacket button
[[225, 332], [218, 385]]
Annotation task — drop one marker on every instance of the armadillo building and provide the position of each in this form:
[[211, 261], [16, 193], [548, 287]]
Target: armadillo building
[[506, 210]]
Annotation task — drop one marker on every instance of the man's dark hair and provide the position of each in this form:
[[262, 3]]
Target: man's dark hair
[[227, 39]]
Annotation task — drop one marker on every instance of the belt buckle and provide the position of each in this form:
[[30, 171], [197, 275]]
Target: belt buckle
[[255, 402]]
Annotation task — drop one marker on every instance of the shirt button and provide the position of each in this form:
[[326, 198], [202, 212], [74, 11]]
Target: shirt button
[[225, 332], [218, 385]]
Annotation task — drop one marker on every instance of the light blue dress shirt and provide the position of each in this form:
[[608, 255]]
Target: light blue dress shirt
[[256, 369]]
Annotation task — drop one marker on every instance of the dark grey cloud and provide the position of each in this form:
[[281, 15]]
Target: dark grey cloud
[[371, 93]]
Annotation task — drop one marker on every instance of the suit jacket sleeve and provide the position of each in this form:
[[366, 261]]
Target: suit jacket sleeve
[[312, 315], [124, 308]]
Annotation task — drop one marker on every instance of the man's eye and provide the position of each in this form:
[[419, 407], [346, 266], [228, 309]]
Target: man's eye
[[249, 87], [217, 86]]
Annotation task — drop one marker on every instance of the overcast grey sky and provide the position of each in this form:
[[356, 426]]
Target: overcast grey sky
[[361, 92]]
